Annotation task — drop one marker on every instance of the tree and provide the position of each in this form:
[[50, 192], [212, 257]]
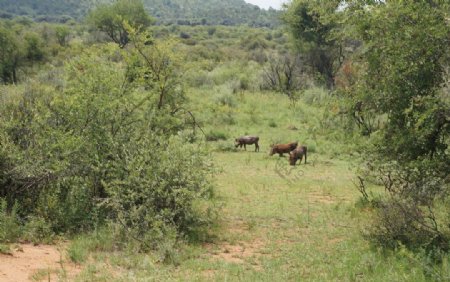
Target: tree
[[284, 74], [404, 67], [62, 32], [11, 56], [111, 19], [34, 47], [312, 25]]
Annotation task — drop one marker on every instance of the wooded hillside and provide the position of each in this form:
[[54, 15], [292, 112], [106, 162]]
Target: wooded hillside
[[185, 12]]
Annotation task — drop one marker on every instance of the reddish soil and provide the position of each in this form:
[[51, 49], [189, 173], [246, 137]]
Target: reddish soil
[[28, 262]]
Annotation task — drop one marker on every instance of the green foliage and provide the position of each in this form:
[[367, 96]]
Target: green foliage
[[79, 249], [10, 229], [225, 146], [113, 18], [25, 47], [216, 135], [62, 33], [211, 12], [103, 239], [11, 55], [164, 186], [225, 99], [48, 10], [404, 62], [37, 230], [5, 249], [313, 25], [272, 123], [105, 148], [192, 12], [34, 47]]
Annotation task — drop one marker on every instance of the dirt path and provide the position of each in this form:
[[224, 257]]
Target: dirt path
[[36, 263]]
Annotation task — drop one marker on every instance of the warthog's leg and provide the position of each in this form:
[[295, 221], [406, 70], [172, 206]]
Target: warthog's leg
[[245, 146]]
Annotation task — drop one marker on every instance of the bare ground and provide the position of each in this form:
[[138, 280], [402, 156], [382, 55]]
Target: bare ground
[[28, 262]]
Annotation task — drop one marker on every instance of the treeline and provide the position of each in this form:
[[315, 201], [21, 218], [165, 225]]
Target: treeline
[[46, 10], [211, 12], [192, 12]]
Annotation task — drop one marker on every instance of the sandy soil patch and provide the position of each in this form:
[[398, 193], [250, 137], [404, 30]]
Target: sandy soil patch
[[28, 262]]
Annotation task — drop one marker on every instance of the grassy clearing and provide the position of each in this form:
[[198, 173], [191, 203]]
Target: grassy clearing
[[277, 223], [272, 227]]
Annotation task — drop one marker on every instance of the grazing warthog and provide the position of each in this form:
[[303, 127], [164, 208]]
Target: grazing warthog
[[247, 140], [282, 148], [296, 154]]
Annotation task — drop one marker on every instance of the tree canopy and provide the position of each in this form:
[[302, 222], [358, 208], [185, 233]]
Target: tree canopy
[[313, 25], [113, 18], [403, 68]]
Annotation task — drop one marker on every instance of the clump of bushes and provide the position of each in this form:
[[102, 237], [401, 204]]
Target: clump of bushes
[[216, 135], [10, 229], [223, 146], [35, 230], [103, 151], [225, 99]]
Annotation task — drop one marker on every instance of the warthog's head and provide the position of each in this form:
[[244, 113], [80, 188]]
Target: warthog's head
[[236, 142]]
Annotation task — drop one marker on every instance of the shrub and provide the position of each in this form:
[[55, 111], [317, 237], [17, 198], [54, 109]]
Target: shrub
[[400, 223], [104, 148], [170, 191], [10, 229], [225, 99], [199, 79], [215, 135], [315, 96], [211, 30], [37, 230], [225, 147], [184, 35]]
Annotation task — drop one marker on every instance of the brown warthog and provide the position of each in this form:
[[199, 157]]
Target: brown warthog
[[296, 154], [247, 140], [282, 148]]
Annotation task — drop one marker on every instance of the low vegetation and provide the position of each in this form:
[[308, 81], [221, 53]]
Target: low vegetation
[[121, 141]]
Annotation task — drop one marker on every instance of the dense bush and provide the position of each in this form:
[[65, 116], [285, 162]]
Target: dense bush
[[215, 135], [103, 148], [404, 69], [10, 229], [160, 188]]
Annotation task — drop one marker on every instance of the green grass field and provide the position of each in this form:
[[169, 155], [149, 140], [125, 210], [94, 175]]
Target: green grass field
[[277, 223]]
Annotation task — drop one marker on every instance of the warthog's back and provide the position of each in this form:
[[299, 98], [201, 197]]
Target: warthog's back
[[248, 139], [284, 148]]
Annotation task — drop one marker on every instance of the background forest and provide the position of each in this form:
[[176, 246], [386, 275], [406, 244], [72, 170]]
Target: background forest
[[117, 129], [181, 12]]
